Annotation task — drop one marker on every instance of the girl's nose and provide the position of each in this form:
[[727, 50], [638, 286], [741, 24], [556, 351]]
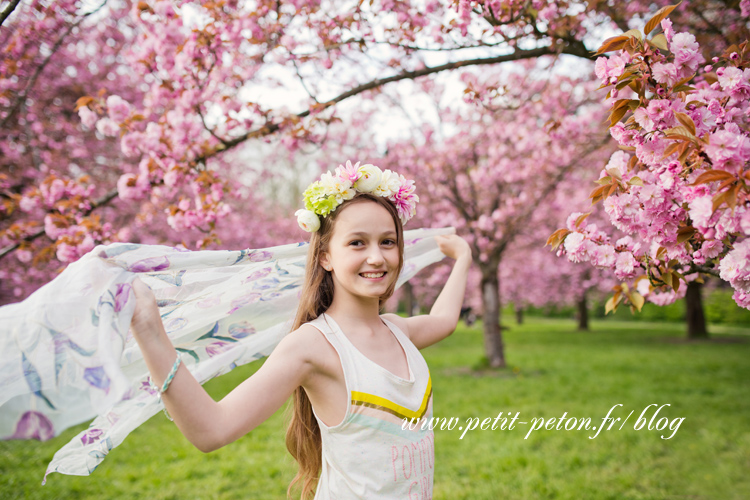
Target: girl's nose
[[375, 257]]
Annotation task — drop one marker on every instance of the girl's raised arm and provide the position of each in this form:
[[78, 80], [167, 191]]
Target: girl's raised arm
[[427, 329], [208, 424]]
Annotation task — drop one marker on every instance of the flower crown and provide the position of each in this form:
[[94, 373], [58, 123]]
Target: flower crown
[[325, 195]]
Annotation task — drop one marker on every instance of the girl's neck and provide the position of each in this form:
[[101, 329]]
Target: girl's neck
[[365, 314]]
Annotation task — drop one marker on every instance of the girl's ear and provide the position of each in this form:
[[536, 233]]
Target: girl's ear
[[325, 261]]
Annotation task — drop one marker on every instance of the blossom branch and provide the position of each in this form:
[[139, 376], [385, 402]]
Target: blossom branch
[[518, 55], [21, 96], [104, 200], [10, 8]]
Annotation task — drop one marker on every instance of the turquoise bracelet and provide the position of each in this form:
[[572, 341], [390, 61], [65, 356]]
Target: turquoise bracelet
[[171, 375], [165, 386]]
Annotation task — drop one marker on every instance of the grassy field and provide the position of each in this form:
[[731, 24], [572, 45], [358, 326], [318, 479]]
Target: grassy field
[[552, 370]]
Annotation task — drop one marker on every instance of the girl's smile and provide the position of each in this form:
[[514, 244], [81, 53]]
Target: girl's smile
[[374, 276]]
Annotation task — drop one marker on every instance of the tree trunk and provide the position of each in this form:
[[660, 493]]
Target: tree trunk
[[409, 301], [493, 341], [583, 313], [696, 321], [519, 314]]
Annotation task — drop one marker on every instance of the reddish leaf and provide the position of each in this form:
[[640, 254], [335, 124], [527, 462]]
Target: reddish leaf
[[83, 101], [672, 148], [680, 133], [557, 237], [596, 194], [581, 218], [685, 233], [614, 43], [617, 115], [686, 121], [660, 15], [712, 176]]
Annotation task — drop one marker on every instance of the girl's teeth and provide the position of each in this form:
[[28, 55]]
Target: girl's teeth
[[366, 275]]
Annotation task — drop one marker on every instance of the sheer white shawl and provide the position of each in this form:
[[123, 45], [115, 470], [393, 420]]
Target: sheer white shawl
[[66, 355]]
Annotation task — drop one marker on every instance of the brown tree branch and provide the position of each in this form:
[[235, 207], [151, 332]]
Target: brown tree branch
[[10, 8], [576, 50], [694, 268]]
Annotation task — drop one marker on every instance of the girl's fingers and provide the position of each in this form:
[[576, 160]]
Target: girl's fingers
[[142, 290]]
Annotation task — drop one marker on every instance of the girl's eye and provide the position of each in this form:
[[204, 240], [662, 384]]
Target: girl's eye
[[388, 242]]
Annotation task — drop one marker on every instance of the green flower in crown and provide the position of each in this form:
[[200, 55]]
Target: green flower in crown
[[323, 196]]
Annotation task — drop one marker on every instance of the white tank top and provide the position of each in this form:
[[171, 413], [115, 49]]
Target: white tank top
[[368, 454]]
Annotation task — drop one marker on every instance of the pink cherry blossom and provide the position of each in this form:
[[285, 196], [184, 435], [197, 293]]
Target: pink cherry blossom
[[88, 117], [118, 108]]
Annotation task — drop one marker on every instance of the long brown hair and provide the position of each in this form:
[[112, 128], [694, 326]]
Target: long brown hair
[[303, 434]]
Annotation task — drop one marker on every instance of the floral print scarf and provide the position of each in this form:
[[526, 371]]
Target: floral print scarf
[[67, 356]]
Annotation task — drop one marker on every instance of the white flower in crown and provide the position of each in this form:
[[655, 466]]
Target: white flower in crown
[[336, 187], [369, 179], [389, 184], [307, 220]]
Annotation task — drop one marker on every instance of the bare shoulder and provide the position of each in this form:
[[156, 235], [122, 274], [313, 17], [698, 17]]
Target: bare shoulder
[[308, 345], [305, 341], [400, 322]]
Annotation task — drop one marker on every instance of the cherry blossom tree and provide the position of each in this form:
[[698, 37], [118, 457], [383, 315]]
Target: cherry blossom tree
[[679, 186], [126, 120], [496, 163]]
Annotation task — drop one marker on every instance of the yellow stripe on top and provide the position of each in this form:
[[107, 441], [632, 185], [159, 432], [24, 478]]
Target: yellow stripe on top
[[372, 401]]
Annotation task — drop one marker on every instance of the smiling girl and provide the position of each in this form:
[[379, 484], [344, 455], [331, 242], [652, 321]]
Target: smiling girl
[[354, 374]]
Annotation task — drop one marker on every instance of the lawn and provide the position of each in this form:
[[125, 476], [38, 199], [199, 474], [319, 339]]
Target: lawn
[[552, 370]]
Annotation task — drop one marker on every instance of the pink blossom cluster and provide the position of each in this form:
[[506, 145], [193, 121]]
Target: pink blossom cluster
[[653, 190], [181, 87], [609, 69], [735, 268]]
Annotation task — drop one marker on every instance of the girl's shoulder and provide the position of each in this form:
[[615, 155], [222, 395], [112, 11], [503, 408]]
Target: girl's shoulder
[[307, 335], [310, 344]]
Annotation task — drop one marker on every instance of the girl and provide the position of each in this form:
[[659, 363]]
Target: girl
[[355, 375]]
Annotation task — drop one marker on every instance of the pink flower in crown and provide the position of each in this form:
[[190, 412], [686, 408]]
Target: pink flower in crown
[[405, 199], [348, 172]]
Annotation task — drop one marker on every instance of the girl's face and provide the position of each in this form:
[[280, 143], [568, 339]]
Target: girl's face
[[363, 242]]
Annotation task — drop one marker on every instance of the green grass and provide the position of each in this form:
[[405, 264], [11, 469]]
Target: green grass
[[552, 369]]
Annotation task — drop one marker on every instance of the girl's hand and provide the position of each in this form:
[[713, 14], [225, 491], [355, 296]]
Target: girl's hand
[[146, 314], [453, 246]]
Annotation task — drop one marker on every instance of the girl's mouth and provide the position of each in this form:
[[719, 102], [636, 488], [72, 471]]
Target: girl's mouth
[[373, 276]]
